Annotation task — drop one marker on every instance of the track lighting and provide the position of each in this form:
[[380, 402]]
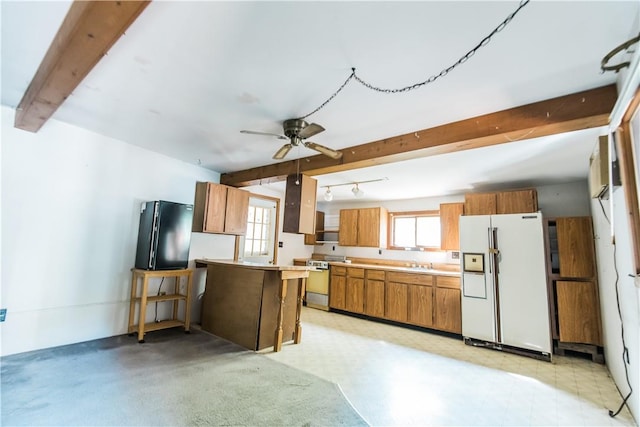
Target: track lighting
[[356, 190]]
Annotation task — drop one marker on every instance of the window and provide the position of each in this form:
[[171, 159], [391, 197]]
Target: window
[[258, 227], [415, 230]]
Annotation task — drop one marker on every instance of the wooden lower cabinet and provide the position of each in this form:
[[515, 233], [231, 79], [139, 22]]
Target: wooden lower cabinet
[[337, 292], [374, 298], [421, 305], [447, 312], [354, 295], [578, 319], [396, 301], [416, 299]]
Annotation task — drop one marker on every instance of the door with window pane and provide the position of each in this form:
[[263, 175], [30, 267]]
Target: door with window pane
[[258, 243]]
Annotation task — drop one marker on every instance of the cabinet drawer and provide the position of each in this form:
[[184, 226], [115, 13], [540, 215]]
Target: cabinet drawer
[[338, 270], [415, 279], [355, 272], [448, 282], [375, 274]]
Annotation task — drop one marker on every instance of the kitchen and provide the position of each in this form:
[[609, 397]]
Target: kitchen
[[82, 175]]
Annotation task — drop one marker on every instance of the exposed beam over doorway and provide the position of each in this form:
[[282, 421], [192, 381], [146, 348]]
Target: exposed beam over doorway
[[86, 34], [577, 111]]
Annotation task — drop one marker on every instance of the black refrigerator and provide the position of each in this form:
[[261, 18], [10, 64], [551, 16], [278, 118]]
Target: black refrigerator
[[164, 235]]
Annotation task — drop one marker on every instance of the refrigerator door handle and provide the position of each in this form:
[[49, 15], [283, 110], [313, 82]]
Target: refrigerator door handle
[[490, 240]]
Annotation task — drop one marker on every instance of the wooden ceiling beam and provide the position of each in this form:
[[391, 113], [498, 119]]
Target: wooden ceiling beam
[[577, 111], [86, 34]]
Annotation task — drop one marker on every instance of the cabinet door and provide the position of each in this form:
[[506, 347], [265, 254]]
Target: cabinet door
[[215, 208], [448, 315], [421, 305], [397, 300], [480, 204], [300, 205], [449, 226], [236, 211], [374, 298], [337, 288], [310, 239], [575, 247], [355, 295], [348, 234], [519, 201], [578, 312], [369, 227]]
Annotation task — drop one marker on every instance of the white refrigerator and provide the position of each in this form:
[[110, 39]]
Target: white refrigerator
[[504, 284]]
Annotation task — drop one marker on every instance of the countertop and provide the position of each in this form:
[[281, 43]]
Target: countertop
[[252, 265], [418, 270]]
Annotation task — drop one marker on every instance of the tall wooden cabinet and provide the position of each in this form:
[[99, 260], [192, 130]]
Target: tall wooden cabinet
[[572, 276], [220, 209], [366, 227], [450, 226]]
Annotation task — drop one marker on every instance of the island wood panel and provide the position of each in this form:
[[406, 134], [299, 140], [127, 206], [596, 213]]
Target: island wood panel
[[517, 201], [396, 301], [348, 228], [578, 319], [374, 298], [241, 305], [450, 225], [580, 110], [354, 295], [236, 212], [420, 305], [575, 247], [480, 204], [447, 309], [337, 292]]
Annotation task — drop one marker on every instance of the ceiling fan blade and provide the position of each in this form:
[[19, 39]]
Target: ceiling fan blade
[[324, 150], [282, 152], [310, 130], [253, 132]]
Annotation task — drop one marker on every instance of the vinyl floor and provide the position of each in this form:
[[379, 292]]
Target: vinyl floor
[[395, 376]]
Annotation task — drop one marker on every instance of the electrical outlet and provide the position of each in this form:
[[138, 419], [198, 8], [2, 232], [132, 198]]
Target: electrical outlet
[[280, 244], [455, 255], [3, 314]]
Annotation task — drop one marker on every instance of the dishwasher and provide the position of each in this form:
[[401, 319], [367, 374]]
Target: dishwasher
[[317, 295]]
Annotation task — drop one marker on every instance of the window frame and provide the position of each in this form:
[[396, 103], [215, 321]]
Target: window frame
[[411, 214]]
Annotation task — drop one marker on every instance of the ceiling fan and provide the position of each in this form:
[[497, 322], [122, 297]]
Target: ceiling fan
[[296, 131]]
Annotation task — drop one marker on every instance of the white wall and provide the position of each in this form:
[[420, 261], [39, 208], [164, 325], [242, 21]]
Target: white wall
[[570, 199], [70, 213]]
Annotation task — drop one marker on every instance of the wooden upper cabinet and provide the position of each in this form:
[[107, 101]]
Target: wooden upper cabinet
[[480, 204], [236, 213], [363, 227], [575, 247], [220, 209], [310, 239], [503, 202], [300, 205], [372, 227], [450, 225], [348, 228], [517, 201]]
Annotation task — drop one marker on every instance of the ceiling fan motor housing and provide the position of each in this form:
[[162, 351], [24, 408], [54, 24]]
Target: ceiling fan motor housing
[[292, 127]]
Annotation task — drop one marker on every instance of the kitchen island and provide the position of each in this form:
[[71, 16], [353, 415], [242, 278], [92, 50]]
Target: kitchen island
[[250, 304]]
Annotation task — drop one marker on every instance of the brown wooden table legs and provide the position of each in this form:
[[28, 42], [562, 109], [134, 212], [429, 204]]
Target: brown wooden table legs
[[282, 294]]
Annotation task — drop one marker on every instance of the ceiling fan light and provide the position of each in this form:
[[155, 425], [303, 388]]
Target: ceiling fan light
[[328, 195]]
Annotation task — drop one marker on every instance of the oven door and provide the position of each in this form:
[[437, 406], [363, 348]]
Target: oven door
[[318, 289]]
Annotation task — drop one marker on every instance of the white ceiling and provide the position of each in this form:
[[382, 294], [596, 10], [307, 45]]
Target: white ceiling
[[188, 76]]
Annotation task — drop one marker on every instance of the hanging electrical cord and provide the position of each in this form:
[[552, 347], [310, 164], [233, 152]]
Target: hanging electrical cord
[[485, 41], [625, 349], [158, 294]]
